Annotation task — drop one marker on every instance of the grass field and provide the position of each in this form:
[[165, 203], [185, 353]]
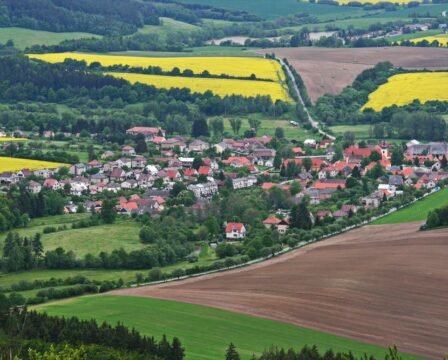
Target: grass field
[[24, 38], [417, 211], [208, 51], [221, 87], [204, 332], [93, 240], [402, 89], [240, 67], [168, 26], [268, 127], [360, 131], [270, 10], [15, 164]]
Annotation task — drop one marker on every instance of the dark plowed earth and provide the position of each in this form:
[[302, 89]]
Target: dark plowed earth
[[383, 284], [330, 70]]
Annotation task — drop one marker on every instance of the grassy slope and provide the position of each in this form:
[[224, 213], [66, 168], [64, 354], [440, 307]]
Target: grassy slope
[[124, 233], [270, 10], [204, 332], [417, 211], [26, 37], [168, 26]]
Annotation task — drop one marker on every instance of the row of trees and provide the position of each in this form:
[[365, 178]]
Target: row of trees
[[40, 331], [437, 218]]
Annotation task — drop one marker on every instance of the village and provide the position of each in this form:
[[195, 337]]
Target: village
[[142, 185]]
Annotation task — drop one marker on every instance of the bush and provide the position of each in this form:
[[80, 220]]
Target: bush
[[49, 230]]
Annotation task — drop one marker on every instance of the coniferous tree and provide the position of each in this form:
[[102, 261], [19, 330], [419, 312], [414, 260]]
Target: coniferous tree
[[231, 353], [200, 127], [108, 213], [38, 248]]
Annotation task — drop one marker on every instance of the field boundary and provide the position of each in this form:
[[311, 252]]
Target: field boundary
[[287, 249]]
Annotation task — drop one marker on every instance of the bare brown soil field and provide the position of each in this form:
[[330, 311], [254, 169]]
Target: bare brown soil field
[[382, 284], [330, 70]]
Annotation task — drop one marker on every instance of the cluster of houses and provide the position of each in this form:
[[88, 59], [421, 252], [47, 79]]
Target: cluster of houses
[[152, 178]]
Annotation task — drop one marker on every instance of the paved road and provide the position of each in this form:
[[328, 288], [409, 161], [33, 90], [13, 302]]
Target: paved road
[[313, 122]]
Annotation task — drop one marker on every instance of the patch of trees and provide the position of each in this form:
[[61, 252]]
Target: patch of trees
[[11, 217], [25, 153], [306, 353], [45, 203], [344, 108], [103, 17], [22, 327], [25, 80], [154, 70], [437, 218]]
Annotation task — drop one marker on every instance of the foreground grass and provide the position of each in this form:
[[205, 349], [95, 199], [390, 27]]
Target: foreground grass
[[204, 332], [417, 211], [24, 38]]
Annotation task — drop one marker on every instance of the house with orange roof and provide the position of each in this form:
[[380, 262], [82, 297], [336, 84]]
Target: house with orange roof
[[237, 161], [235, 231]]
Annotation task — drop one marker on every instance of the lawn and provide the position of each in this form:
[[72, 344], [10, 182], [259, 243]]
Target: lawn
[[268, 127], [123, 234], [417, 211], [360, 131], [204, 332], [24, 38]]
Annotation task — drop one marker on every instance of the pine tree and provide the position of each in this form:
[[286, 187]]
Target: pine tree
[[38, 248], [177, 350], [200, 128], [9, 243], [277, 161], [231, 353], [108, 213]]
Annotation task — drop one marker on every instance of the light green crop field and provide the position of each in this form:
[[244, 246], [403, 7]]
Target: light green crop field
[[24, 38], [417, 211], [204, 332], [414, 35]]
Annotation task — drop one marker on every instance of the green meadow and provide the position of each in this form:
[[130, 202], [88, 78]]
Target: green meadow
[[204, 332], [418, 211]]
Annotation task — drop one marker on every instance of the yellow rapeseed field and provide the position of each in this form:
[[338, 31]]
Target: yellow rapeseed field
[[5, 139], [442, 39], [233, 66], [221, 87], [14, 164], [402, 89]]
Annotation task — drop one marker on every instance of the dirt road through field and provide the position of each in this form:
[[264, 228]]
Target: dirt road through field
[[383, 284]]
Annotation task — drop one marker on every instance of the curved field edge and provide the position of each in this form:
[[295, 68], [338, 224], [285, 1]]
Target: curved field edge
[[205, 332], [418, 211]]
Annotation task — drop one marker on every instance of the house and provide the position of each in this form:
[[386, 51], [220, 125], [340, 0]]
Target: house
[[34, 187], [186, 161], [373, 201], [129, 184], [205, 170], [127, 150], [127, 208], [204, 190], [43, 173], [138, 162], [52, 184], [48, 134], [77, 169], [235, 231], [148, 132], [280, 225], [244, 182], [298, 151], [198, 146], [329, 184], [395, 180], [173, 143], [97, 178], [107, 154], [94, 164], [237, 161], [264, 157], [117, 174]]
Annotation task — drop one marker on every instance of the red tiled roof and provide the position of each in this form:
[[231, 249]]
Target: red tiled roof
[[234, 226], [204, 170], [272, 221]]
